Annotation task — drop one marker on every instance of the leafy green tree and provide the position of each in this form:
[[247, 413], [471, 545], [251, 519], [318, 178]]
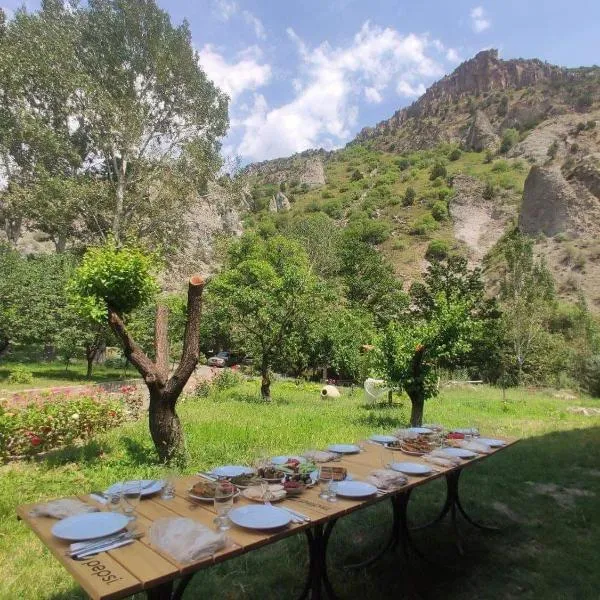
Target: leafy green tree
[[526, 297], [509, 138], [266, 293], [409, 196], [110, 283], [438, 170]]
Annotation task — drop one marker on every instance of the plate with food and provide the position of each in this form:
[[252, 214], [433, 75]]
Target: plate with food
[[294, 487], [245, 480], [420, 430], [282, 460], [383, 439], [258, 493], [270, 474], [204, 491], [416, 447], [335, 473], [231, 471]]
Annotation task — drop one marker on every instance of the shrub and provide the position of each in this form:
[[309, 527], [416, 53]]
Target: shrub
[[438, 170], [501, 166], [58, 422], [553, 149], [409, 196], [437, 250], [579, 127], [202, 389], [356, 175], [574, 147], [489, 156], [20, 376], [424, 225], [304, 187], [369, 231], [439, 210], [326, 194], [403, 163], [489, 191], [227, 378], [584, 101], [455, 154], [509, 138], [591, 375], [333, 208], [591, 124]]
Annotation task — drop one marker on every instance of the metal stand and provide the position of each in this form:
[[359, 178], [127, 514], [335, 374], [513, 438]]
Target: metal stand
[[453, 506]]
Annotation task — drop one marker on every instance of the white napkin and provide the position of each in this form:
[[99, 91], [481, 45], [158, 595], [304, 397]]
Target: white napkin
[[454, 460], [446, 462], [405, 434], [61, 509], [387, 479], [474, 446], [320, 456], [184, 539]]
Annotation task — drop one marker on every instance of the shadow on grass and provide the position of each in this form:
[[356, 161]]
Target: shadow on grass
[[248, 398], [88, 454], [139, 454]]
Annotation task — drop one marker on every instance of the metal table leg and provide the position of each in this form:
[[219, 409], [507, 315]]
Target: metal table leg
[[317, 579]]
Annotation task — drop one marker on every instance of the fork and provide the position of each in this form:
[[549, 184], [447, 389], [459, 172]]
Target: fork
[[295, 519]]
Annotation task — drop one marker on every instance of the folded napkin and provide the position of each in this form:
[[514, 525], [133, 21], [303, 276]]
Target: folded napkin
[[386, 479], [255, 492], [61, 509], [320, 456], [441, 454], [185, 540], [446, 462], [473, 446]]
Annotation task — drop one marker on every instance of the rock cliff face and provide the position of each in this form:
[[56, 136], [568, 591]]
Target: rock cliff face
[[481, 134], [305, 168]]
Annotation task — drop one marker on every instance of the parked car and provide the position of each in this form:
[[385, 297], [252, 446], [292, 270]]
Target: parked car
[[224, 359]]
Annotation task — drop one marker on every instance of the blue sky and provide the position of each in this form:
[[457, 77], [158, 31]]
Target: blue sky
[[312, 73]]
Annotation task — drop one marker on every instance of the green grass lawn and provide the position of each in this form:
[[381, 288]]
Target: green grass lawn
[[56, 374], [544, 492]]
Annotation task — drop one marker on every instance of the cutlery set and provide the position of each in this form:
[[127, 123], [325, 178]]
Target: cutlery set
[[82, 550]]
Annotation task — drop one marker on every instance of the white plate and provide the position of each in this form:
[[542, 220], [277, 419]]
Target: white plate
[[459, 452], [344, 448], [231, 471], [383, 439], [281, 460], [411, 468], [467, 431], [259, 516], [149, 487], [355, 489], [491, 442], [89, 526], [424, 430]]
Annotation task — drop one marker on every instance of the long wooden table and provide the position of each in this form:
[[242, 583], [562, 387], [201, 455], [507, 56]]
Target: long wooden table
[[139, 567]]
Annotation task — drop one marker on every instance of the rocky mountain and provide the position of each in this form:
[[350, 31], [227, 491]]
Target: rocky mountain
[[519, 143]]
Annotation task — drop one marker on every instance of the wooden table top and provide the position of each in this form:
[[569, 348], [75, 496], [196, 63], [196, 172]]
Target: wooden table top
[[124, 571]]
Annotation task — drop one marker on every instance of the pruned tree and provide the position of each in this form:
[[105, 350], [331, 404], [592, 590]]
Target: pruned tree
[[108, 285]]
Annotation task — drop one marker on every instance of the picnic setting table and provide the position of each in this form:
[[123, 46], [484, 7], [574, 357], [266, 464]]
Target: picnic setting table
[[140, 565]]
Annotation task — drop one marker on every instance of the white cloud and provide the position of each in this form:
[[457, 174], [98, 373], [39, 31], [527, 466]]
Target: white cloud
[[333, 79], [227, 9], [234, 78], [254, 21], [479, 19], [404, 88], [372, 95], [452, 56]]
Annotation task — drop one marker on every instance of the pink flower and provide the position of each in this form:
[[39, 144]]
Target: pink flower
[[35, 440]]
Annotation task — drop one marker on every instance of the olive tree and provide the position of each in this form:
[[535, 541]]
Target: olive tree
[[109, 284]]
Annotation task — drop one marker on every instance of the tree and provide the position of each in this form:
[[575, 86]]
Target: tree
[[526, 297], [109, 284], [509, 138], [109, 92], [266, 293], [409, 196], [438, 170]]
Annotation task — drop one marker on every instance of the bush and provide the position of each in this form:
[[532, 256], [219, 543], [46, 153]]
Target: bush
[[579, 127], [403, 163], [437, 250], [509, 138], [426, 224], [59, 421], [227, 378], [584, 101], [591, 376], [409, 196], [202, 389], [574, 147], [334, 209], [501, 166], [489, 191], [489, 156], [369, 231], [20, 376], [553, 149], [455, 154], [591, 124], [356, 175], [438, 170], [304, 187], [439, 210]]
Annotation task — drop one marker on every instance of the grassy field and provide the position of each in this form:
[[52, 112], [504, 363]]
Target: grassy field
[[55, 374], [544, 492]]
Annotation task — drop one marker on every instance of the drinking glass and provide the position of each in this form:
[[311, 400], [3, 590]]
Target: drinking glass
[[132, 491], [325, 477], [223, 504], [115, 498], [168, 490], [332, 490], [266, 494], [386, 457]]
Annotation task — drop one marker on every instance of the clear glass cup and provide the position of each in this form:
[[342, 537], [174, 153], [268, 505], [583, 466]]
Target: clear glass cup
[[265, 491], [332, 490], [132, 491], [115, 498], [386, 457], [168, 490], [325, 477], [224, 493]]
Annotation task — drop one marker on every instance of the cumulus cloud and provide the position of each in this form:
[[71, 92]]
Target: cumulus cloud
[[234, 78], [452, 56], [479, 19], [225, 10], [333, 79]]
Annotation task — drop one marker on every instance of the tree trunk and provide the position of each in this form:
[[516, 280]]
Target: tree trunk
[[165, 427], [4, 345], [324, 375], [89, 357], [265, 383], [416, 412], [120, 201], [161, 339]]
